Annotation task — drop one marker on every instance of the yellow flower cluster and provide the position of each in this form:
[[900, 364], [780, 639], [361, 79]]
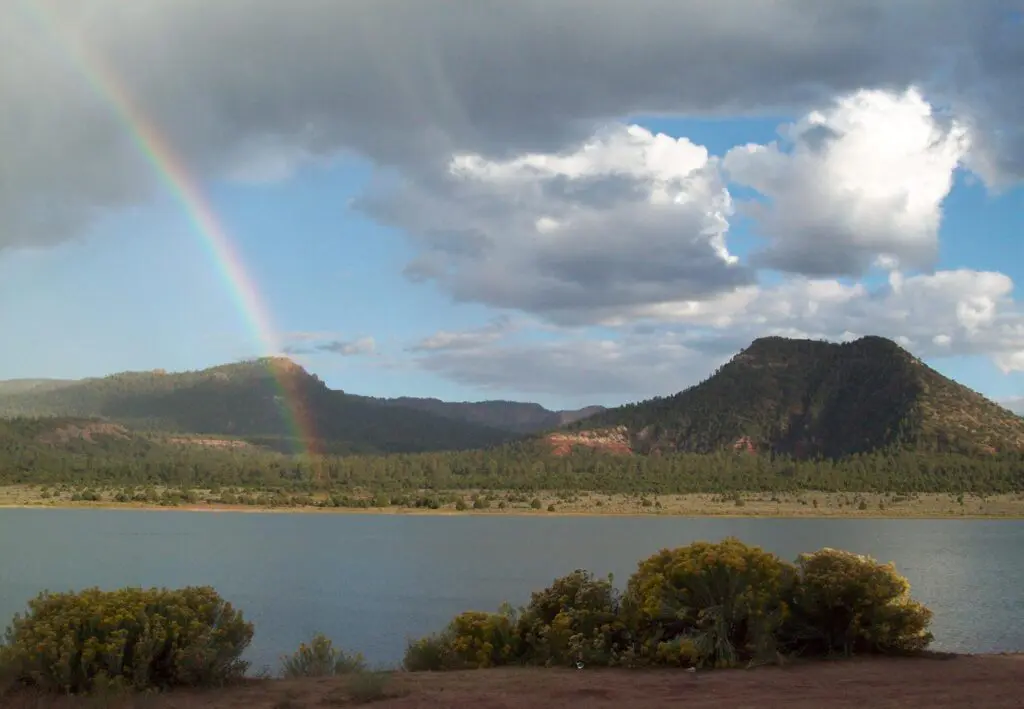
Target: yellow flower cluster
[[724, 598], [67, 640], [481, 639], [712, 604], [860, 604]]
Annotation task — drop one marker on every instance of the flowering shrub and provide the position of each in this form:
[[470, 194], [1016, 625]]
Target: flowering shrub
[[483, 639], [133, 638], [575, 619], [848, 603], [320, 658], [679, 652], [472, 640], [429, 654], [709, 604]]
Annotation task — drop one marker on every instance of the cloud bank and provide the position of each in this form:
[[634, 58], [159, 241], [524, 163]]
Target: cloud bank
[[504, 150], [258, 87]]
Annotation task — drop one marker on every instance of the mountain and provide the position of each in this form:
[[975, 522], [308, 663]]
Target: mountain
[[809, 398], [270, 401], [20, 386], [515, 416]]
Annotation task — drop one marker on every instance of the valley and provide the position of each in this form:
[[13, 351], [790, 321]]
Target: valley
[[863, 427]]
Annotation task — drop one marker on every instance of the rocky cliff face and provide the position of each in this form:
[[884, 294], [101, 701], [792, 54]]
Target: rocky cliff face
[[607, 440]]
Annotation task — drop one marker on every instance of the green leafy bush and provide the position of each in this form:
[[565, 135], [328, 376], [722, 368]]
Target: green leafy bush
[[320, 658], [725, 600], [847, 603], [576, 619], [132, 638]]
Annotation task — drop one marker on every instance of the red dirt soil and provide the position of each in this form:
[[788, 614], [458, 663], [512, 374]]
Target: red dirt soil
[[978, 682], [745, 444], [611, 440]]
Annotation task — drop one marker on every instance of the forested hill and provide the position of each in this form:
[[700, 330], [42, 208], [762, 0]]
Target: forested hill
[[252, 400], [809, 398], [21, 386], [103, 454]]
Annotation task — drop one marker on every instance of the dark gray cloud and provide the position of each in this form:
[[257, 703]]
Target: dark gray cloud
[[251, 83]]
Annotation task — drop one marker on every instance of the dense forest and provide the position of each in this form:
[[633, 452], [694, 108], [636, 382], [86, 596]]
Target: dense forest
[[809, 399], [31, 452]]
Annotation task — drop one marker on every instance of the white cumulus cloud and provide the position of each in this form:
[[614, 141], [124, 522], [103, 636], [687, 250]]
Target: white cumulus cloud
[[862, 180], [624, 218]]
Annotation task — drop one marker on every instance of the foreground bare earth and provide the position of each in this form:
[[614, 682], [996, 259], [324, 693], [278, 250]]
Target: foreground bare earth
[[979, 682]]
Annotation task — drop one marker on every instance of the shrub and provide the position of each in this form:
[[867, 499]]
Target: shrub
[[320, 658], [678, 652], [848, 603], [724, 599], [472, 640], [575, 619], [155, 638], [483, 639], [429, 654], [366, 687]]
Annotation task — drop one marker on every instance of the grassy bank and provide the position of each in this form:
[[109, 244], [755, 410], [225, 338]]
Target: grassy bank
[[750, 504]]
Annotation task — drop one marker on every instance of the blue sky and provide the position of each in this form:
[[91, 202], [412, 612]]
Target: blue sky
[[547, 269]]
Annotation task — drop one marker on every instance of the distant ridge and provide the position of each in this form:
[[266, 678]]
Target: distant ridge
[[515, 416], [247, 400], [244, 400]]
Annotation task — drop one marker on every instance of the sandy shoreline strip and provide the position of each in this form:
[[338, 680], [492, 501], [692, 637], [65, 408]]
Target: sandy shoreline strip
[[425, 512]]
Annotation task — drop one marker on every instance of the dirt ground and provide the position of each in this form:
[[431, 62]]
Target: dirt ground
[[979, 682]]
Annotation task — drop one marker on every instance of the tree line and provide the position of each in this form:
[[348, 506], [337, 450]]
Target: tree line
[[522, 466]]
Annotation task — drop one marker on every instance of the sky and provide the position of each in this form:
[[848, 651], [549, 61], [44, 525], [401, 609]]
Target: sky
[[558, 201]]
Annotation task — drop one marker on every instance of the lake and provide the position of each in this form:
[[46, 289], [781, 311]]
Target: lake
[[371, 581]]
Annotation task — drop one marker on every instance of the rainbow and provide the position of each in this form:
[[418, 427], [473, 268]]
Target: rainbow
[[157, 150]]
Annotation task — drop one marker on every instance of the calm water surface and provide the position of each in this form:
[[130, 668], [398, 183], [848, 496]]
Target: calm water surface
[[370, 582]]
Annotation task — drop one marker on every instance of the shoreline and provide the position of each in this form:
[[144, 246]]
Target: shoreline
[[425, 512]]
